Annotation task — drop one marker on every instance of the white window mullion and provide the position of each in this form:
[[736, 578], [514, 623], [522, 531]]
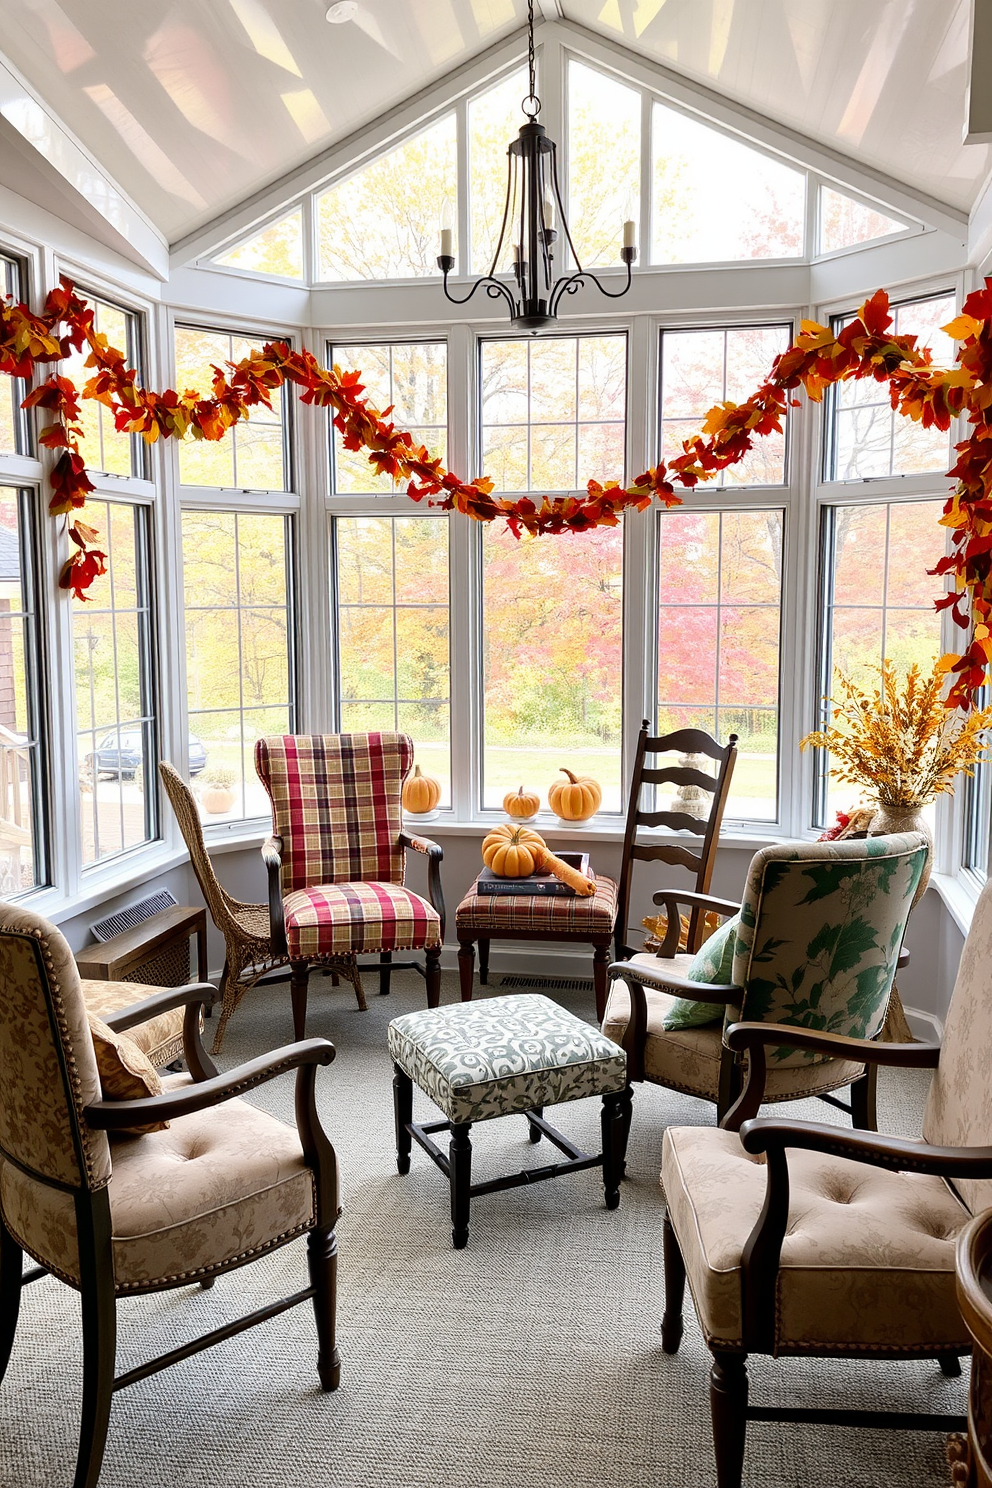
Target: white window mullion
[[317, 627], [463, 559]]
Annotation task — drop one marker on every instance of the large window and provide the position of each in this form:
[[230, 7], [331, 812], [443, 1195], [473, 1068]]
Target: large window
[[115, 718], [22, 856], [412, 378], [277, 250], [604, 162], [494, 119], [700, 368], [877, 603], [845, 221], [254, 454], [720, 594], [553, 411], [240, 678], [13, 430], [392, 605], [867, 438], [102, 447]]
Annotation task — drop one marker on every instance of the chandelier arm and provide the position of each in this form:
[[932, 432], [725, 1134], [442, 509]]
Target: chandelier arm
[[575, 281], [494, 288], [506, 216], [561, 212]]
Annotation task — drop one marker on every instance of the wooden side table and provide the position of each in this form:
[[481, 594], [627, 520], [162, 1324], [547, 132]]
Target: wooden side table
[[156, 951]]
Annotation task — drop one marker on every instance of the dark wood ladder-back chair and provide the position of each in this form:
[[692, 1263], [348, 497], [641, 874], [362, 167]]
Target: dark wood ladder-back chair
[[682, 741]]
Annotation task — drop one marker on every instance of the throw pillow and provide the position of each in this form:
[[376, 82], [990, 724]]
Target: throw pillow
[[713, 962], [126, 1073]]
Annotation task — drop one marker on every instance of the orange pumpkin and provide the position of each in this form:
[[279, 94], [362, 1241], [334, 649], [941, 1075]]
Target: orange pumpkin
[[522, 804], [504, 836], [421, 793], [514, 858], [575, 799]]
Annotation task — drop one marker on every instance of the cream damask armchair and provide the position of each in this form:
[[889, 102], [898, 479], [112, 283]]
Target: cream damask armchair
[[104, 1194]]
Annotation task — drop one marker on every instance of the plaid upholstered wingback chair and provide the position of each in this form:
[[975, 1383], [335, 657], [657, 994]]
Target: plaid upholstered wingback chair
[[336, 858], [117, 1197]]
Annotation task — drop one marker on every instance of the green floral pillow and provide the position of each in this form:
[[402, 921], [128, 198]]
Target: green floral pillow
[[713, 962]]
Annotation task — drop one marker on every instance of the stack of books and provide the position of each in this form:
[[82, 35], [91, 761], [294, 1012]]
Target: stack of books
[[537, 883]]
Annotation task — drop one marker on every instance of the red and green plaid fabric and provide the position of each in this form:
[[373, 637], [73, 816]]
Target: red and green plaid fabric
[[336, 804], [558, 915], [335, 918]]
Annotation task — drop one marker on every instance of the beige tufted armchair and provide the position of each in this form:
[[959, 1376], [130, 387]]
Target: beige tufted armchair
[[113, 1215], [800, 1238]]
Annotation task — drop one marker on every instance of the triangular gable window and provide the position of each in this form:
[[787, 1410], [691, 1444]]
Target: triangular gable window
[[277, 250], [845, 222]]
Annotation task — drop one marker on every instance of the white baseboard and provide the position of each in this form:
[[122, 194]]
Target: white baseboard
[[927, 1027]]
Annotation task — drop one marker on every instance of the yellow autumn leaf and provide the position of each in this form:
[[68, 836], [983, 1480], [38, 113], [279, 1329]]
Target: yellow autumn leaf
[[961, 327]]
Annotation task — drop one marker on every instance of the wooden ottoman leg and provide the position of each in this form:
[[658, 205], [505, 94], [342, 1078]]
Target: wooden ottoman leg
[[466, 963], [460, 1161], [613, 1147], [402, 1114], [600, 962], [535, 1132], [483, 961]]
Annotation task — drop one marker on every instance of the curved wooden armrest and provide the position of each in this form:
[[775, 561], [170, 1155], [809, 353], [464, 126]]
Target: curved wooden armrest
[[434, 853], [112, 1115], [272, 858], [203, 993], [662, 981], [755, 1037], [897, 1153], [670, 899]]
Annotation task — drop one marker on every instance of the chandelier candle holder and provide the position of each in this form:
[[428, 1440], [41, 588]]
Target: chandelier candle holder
[[531, 213]]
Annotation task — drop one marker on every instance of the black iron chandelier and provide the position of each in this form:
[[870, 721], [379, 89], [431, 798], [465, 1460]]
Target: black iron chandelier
[[533, 199]]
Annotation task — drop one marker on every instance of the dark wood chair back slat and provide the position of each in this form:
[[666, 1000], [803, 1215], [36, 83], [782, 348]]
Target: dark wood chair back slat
[[682, 741]]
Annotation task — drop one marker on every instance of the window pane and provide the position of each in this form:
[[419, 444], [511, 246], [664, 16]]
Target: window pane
[[12, 389], [115, 722], [239, 672], [394, 671], [494, 118], [254, 454], [978, 812], [277, 249], [551, 405], [701, 368], [604, 162], [103, 448], [718, 642], [413, 378], [385, 221], [868, 439], [758, 210], [21, 847], [552, 660], [878, 603], [844, 221]]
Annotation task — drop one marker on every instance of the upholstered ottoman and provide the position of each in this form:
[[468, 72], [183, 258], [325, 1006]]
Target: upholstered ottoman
[[506, 1055]]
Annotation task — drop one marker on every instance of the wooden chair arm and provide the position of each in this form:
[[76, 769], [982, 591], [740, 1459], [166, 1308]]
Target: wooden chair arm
[[200, 1096], [434, 853], [272, 858], [670, 899], [194, 997], [661, 981], [754, 1037]]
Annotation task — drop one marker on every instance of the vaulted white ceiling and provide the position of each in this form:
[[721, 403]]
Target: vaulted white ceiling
[[193, 105]]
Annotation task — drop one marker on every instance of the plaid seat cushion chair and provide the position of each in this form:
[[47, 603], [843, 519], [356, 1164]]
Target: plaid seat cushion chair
[[815, 944], [118, 1183], [505, 1056], [336, 857], [804, 1238]]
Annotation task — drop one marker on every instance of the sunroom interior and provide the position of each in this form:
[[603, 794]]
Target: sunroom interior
[[215, 178]]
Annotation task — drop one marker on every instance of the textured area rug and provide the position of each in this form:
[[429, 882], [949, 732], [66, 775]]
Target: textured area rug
[[532, 1359]]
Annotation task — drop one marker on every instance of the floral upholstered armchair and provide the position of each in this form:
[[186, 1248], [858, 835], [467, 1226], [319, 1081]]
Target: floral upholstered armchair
[[814, 943], [337, 855]]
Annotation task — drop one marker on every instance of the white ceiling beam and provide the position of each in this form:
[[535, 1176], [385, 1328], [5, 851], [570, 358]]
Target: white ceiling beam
[[978, 110], [550, 9]]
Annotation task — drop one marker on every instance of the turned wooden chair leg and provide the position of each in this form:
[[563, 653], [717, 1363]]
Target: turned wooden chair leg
[[863, 1100], [322, 1261], [483, 961], [99, 1355], [385, 957], [728, 1403], [466, 966], [298, 983], [433, 967], [950, 1365], [11, 1270], [672, 1326], [600, 962]]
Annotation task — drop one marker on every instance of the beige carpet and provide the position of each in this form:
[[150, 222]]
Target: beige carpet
[[530, 1360]]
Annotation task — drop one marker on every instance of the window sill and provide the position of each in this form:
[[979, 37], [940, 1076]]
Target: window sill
[[104, 885], [959, 893]]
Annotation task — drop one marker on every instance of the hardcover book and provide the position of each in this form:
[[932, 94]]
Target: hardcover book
[[537, 883]]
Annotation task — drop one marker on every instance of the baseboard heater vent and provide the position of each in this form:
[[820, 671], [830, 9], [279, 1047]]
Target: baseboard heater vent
[[126, 919], [545, 984]]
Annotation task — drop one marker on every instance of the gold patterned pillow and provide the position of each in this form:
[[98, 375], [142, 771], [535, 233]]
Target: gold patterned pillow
[[126, 1073]]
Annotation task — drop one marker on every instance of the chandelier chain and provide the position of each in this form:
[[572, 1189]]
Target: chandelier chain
[[531, 66]]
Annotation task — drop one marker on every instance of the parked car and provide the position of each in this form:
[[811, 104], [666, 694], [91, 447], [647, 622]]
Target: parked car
[[119, 755]]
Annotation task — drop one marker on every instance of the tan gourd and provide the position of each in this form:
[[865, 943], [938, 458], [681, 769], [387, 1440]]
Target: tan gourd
[[575, 799], [421, 793], [522, 804], [549, 862], [501, 837]]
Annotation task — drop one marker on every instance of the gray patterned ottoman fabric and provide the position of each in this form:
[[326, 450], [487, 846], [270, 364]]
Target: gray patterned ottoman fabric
[[481, 1059]]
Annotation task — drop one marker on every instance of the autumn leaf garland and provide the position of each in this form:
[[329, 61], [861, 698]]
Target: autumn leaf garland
[[817, 359]]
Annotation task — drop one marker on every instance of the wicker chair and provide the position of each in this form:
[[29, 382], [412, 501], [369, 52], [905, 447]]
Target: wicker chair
[[245, 927]]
